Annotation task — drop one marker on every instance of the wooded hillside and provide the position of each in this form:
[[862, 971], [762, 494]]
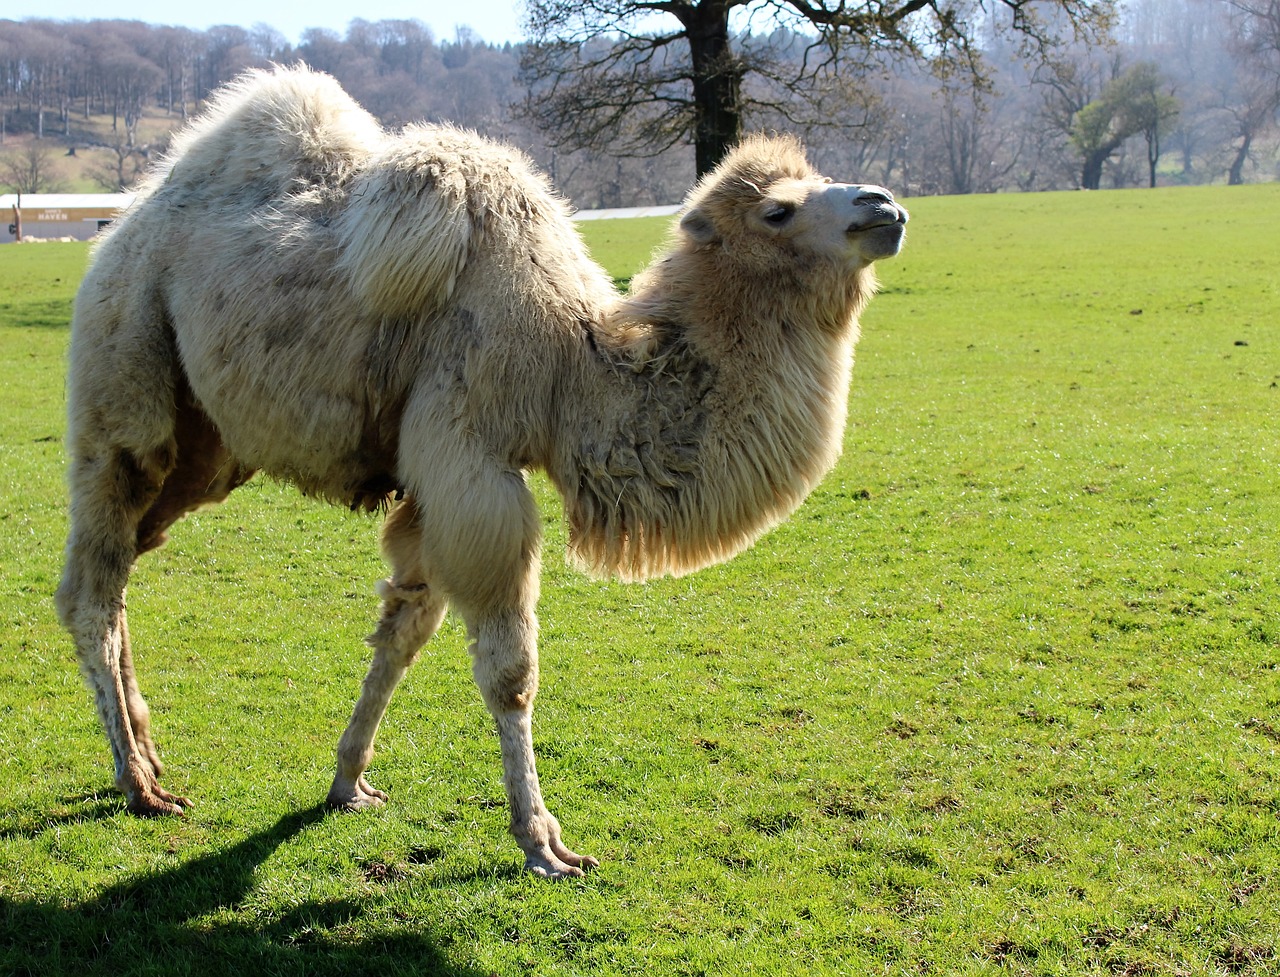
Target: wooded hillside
[[84, 105]]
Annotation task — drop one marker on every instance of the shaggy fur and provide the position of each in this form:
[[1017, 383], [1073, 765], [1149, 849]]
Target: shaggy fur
[[410, 321]]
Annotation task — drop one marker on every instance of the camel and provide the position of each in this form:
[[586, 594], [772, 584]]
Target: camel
[[408, 322]]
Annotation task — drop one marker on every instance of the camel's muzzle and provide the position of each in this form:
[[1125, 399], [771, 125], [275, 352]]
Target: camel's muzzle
[[875, 207]]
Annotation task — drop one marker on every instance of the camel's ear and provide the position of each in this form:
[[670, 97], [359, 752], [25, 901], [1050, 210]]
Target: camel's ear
[[698, 226]]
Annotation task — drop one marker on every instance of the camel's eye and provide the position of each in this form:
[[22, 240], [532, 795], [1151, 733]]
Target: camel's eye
[[779, 214]]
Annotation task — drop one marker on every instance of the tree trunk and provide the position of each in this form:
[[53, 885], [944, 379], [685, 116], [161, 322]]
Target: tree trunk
[[1235, 175], [717, 84], [1091, 176]]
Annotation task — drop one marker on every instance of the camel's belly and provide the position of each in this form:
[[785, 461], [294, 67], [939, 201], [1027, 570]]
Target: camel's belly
[[294, 404]]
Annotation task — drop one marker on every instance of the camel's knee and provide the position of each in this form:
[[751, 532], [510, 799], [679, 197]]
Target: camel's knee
[[411, 609], [504, 653], [99, 557], [510, 694]]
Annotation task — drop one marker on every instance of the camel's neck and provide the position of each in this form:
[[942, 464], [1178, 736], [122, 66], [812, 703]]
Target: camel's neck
[[700, 436]]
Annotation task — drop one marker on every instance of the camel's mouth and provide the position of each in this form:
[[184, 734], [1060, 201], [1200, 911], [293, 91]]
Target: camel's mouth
[[886, 215], [880, 234]]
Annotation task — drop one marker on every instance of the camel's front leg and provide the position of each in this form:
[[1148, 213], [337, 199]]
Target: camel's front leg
[[504, 648], [480, 539]]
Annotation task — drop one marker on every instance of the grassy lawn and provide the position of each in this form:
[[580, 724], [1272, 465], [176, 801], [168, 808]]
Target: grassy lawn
[[1002, 697]]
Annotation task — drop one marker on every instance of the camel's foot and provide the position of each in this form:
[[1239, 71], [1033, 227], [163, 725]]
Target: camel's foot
[[557, 863], [357, 795], [154, 801], [550, 858], [146, 797]]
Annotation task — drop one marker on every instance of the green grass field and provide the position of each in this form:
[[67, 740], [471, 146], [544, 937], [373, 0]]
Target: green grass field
[[1002, 697]]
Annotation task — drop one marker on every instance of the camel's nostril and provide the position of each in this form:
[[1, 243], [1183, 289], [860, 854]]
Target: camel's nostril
[[871, 195]]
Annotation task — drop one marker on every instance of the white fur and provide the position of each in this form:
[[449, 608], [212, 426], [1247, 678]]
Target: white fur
[[411, 322]]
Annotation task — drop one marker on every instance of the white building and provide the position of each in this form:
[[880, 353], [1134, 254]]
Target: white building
[[57, 215]]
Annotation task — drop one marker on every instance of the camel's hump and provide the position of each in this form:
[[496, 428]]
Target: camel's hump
[[272, 130]]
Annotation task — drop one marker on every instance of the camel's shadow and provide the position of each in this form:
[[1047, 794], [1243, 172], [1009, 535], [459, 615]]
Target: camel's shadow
[[169, 923]]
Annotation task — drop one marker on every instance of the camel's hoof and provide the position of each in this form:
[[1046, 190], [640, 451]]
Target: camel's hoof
[[355, 797], [563, 864], [157, 802]]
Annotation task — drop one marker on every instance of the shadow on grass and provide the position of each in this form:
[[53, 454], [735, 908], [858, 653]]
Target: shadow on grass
[[170, 924], [76, 809]]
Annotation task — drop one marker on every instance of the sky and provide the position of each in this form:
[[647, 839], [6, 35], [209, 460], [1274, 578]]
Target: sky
[[495, 21]]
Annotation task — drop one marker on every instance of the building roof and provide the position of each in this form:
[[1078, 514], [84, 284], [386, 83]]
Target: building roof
[[119, 201], [610, 214], [65, 201]]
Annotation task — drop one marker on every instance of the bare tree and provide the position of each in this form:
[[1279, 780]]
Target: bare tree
[[131, 79], [173, 50], [31, 169], [1256, 43], [228, 51], [972, 150], [123, 167], [638, 76]]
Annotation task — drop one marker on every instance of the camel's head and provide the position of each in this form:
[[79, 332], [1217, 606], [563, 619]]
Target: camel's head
[[765, 198]]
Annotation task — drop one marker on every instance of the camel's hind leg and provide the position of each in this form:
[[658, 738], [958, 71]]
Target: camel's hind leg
[[122, 500], [111, 489], [411, 613]]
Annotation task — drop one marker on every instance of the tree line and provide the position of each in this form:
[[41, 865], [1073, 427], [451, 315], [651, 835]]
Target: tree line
[[982, 100]]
